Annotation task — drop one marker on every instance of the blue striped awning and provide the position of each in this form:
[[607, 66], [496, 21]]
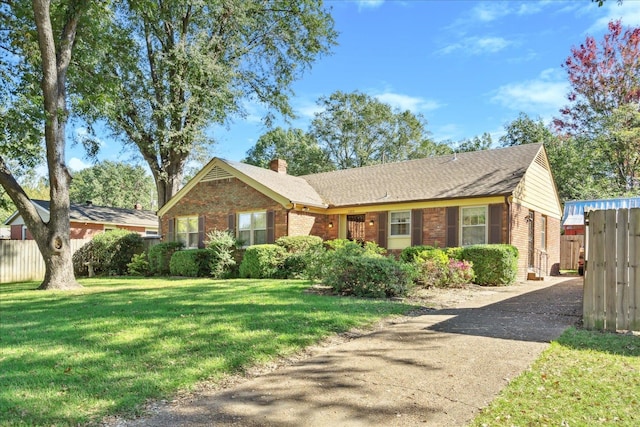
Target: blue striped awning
[[574, 209]]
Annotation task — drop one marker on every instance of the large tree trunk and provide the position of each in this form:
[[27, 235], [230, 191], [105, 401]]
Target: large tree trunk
[[53, 239]]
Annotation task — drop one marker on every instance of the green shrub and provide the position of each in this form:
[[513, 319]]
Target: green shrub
[[109, 253], [160, 256], [493, 264], [222, 246], [139, 265], [459, 273], [374, 277], [296, 244], [408, 254], [191, 263], [432, 266], [454, 253], [263, 261]]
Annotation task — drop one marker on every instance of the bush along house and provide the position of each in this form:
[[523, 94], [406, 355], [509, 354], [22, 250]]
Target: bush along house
[[506, 195]]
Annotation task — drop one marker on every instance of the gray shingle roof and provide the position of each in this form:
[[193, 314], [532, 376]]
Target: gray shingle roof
[[108, 215], [473, 174], [294, 188]]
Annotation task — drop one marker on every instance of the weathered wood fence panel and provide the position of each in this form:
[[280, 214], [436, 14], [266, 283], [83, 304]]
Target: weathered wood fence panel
[[612, 274], [20, 260], [569, 251]]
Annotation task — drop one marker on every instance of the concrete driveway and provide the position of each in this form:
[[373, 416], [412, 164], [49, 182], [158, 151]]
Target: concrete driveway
[[436, 368]]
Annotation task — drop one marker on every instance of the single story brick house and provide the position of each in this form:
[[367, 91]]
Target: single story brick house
[[87, 220], [506, 195]]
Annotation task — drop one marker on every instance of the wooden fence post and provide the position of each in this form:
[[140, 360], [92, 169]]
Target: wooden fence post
[[634, 269], [622, 270]]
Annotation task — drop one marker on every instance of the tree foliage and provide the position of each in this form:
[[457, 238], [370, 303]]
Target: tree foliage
[[355, 130], [113, 184], [605, 93], [38, 43], [172, 68], [300, 150], [477, 143]]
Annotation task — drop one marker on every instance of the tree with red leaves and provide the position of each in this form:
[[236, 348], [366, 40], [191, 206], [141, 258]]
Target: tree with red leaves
[[605, 80]]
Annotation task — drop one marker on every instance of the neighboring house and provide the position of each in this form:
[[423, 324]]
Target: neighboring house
[[573, 217], [88, 220], [496, 196]]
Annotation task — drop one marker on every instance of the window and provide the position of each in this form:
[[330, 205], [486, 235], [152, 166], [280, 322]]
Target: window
[[543, 232], [187, 231], [474, 225], [400, 223], [252, 228]]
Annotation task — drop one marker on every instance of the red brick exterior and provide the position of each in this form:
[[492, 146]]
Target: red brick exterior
[[434, 227], [79, 230], [216, 200]]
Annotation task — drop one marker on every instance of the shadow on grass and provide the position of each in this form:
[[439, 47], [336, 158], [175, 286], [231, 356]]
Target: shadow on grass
[[605, 342], [72, 357]]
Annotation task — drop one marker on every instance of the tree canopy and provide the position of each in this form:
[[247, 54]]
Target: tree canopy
[[113, 184], [300, 150], [173, 68], [355, 130]]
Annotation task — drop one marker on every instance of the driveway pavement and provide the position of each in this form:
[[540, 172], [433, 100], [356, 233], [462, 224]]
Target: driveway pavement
[[436, 368]]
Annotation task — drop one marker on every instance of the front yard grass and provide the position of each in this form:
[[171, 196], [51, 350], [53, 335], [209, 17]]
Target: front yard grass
[[71, 358], [585, 378]]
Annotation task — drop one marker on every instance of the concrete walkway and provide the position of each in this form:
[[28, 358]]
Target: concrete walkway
[[438, 368]]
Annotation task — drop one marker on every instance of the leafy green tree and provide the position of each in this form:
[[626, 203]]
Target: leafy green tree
[[172, 68], [357, 130], [477, 143], [302, 152], [429, 148], [525, 130], [113, 184], [39, 41]]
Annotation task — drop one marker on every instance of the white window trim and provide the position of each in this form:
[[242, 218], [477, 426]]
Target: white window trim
[[186, 218], [394, 236], [252, 228], [486, 223], [543, 233]]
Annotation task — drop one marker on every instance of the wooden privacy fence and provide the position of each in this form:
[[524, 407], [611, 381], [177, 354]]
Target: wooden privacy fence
[[20, 260], [569, 251], [612, 275]]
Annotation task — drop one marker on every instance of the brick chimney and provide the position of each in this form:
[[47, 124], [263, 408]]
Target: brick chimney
[[278, 165]]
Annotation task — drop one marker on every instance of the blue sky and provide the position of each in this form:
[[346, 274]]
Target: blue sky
[[468, 66]]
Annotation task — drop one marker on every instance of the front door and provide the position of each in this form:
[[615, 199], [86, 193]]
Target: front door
[[355, 228]]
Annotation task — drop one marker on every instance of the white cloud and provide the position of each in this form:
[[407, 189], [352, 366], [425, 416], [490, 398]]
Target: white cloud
[[406, 102], [75, 164], [542, 96], [628, 12], [369, 4], [308, 109], [477, 45]]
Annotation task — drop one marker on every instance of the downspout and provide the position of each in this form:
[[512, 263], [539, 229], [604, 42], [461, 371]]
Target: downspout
[[507, 200]]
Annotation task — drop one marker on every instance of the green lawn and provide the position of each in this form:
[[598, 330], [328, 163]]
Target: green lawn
[[584, 379], [74, 357]]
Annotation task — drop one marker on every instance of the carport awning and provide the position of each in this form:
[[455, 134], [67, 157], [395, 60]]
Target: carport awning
[[574, 220]]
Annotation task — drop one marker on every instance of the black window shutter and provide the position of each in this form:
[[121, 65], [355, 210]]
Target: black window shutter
[[231, 224], [170, 232], [495, 223], [382, 229], [201, 231], [453, 214], [270, 227], [416, 227]]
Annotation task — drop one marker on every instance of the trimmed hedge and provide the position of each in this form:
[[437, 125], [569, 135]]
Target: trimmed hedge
[[296, 244], [494, 265], [191, 263], [263, 262], [160, 256], [109, 253]]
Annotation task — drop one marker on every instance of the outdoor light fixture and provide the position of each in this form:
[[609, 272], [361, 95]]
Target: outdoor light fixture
[[371, 222], [331, 225]]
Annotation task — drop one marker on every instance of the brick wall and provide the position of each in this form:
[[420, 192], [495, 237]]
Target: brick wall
[[520, 237], [215, 200], [434, 227]]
